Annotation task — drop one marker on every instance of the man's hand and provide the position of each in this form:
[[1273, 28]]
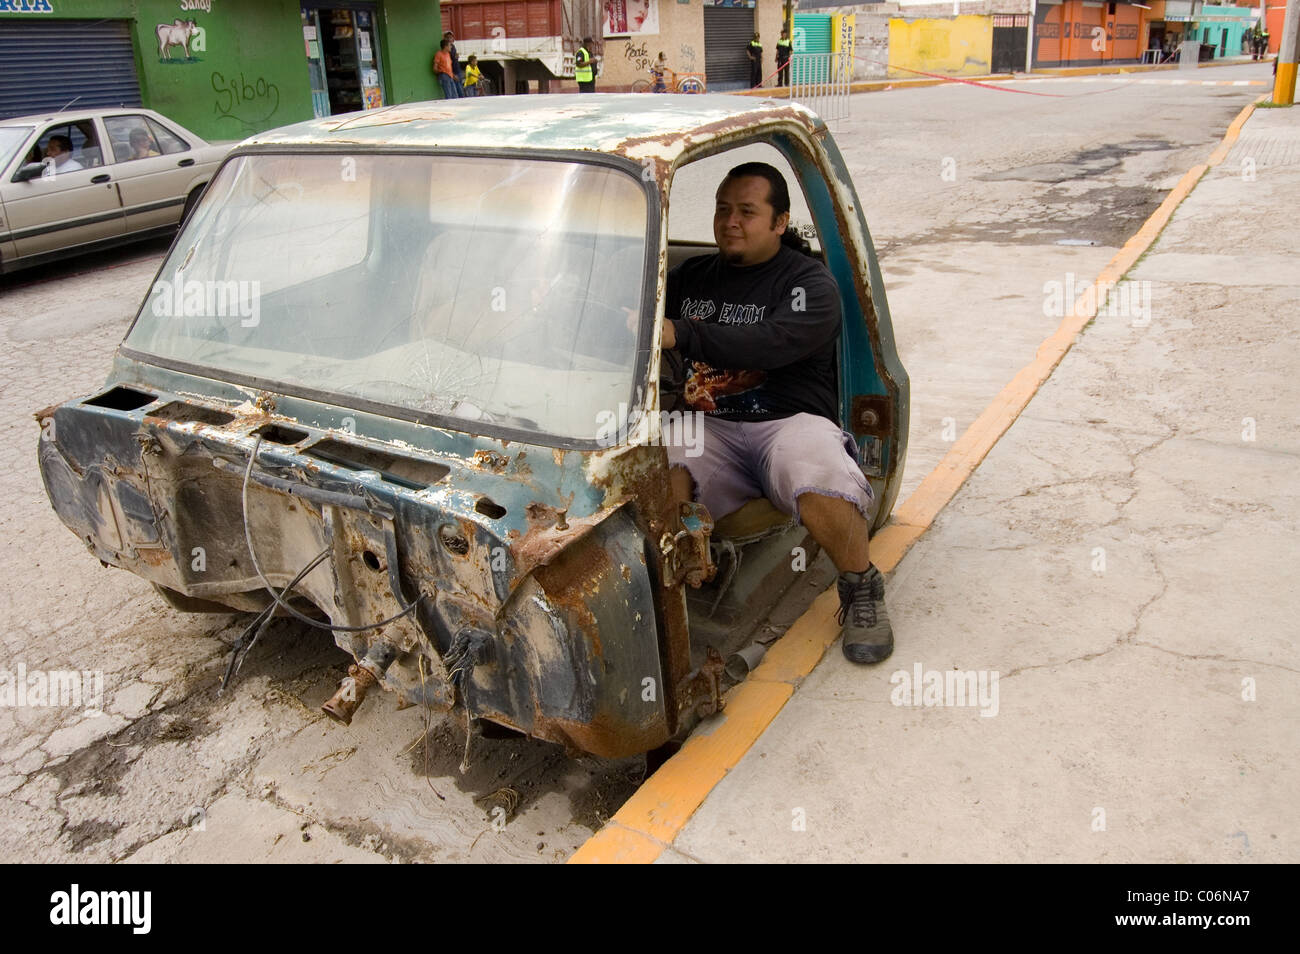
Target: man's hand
[[670, 336]]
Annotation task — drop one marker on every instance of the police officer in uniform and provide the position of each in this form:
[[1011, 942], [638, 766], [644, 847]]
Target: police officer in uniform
[[585, 67], [783, 57], [755, 53]]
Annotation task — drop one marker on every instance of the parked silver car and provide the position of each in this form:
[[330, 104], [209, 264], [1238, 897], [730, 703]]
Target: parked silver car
[[82, 180]]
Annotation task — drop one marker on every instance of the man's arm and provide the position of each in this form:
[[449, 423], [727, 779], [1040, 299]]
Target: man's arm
[[800, 323]]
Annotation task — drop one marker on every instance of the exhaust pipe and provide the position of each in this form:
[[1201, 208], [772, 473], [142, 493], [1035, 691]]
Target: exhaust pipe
[[361, 678]]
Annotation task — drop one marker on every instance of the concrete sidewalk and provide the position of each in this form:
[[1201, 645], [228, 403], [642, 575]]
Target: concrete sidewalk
[[1119, 577]]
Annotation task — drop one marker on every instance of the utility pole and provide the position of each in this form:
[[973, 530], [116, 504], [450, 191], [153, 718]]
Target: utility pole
[[1029, 45], [1287, 55]]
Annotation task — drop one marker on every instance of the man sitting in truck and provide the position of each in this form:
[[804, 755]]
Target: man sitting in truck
[[756, 326]]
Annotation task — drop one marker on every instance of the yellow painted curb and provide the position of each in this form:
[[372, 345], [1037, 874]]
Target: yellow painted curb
[[661, 807], [1230, 137], [615, 844], [656, 813], [795, 654]]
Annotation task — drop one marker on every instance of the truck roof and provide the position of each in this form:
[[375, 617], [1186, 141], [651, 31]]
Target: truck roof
[[636, 125]]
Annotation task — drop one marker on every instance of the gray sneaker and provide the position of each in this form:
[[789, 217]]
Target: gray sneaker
[[868, 637]]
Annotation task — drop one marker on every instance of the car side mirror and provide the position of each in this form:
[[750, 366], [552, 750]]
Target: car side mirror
[[31, 170]]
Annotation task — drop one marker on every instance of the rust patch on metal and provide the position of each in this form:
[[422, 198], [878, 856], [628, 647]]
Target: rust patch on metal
[[639, 475], [700, 692], [154, 556], [548, 536], [567, 582], [490, 460], [872, 414]]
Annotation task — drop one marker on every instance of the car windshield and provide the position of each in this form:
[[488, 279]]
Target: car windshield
[[11, 137], [498, 290]]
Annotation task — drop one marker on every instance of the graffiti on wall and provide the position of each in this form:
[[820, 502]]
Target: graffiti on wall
[[249, 103], [637, 54], [688, 57]]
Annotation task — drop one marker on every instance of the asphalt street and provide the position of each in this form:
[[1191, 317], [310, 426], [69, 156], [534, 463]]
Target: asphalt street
[[977, 199]]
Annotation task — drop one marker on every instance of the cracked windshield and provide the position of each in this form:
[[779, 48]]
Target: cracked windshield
[[500, 291]]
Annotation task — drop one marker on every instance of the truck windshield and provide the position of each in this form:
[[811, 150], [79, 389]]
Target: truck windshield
[[499, 291]]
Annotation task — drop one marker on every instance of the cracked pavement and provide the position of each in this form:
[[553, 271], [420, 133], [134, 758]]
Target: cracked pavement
[[1122, 688], [1124, 559]]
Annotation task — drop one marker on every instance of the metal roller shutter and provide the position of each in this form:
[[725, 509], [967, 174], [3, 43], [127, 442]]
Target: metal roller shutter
[[812, 33], [727, 31], [46, 64]]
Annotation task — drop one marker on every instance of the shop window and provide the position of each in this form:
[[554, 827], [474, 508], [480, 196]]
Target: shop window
[[343, 59]]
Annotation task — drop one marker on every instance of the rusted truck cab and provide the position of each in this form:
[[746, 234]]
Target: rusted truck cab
[[399, 376]]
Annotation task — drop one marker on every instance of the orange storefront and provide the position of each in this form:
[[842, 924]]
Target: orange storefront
[[1276, 17], [1088, 32]]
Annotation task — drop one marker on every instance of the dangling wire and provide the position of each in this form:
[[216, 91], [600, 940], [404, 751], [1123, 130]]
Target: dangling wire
[[248, 540], [244, 645]]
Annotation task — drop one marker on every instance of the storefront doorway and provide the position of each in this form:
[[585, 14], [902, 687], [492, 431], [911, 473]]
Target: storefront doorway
[[342, 49], [727, 31], [1010, 36]]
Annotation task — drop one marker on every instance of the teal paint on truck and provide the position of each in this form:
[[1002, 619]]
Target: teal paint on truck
[[542, 573]]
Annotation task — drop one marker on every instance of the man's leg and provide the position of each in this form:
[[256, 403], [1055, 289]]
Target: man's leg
[[807, 470], [839, 528], [708, 464]]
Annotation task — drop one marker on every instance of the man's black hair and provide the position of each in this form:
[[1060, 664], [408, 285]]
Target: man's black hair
[[778, 193], [444, 44], [586, 40], [65, 144]]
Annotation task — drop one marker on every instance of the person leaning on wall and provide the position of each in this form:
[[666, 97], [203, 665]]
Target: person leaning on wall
[[443, 70]]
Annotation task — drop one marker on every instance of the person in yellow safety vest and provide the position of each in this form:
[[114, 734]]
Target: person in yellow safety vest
[[755, 53], [584, 68], [783, 57]]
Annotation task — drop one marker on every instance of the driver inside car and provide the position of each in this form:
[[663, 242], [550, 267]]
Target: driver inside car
[[755, 328]]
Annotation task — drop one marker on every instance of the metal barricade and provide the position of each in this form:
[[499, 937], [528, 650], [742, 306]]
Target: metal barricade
[[822, 81]]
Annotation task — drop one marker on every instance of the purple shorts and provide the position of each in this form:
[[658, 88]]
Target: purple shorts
[[732, 462]]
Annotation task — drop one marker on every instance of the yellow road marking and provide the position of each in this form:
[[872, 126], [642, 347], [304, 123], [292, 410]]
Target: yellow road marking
[[656, 813]]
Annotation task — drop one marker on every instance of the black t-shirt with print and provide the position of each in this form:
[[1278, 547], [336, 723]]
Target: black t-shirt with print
[[758, 341]]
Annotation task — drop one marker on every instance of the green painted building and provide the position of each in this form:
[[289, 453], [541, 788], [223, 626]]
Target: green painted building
[[223, 68], [1223, 28]]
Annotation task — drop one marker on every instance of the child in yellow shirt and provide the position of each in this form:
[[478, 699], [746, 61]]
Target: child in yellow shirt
[[473, 77]]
